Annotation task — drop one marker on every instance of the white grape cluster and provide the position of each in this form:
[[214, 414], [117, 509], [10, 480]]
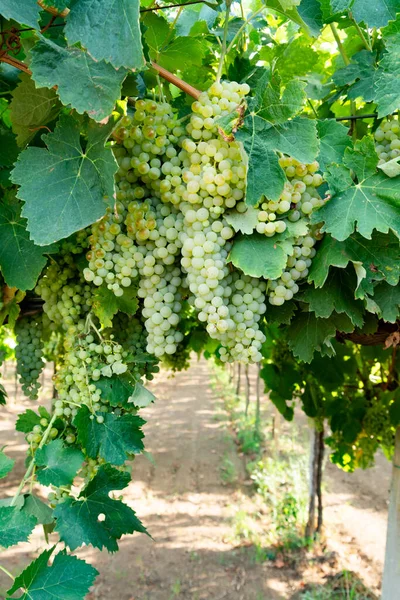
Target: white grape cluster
[[29, 354], [298, 264], [85, 362], [387, 139]]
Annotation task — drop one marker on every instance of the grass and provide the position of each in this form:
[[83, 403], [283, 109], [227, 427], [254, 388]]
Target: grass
[[343, 586]]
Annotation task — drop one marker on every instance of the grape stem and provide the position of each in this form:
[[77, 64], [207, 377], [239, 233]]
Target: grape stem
[[224, 40], [7, 572], [53, 11], [179, 83], [32, 463]]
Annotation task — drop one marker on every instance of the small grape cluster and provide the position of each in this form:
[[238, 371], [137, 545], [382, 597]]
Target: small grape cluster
[[29, 354], [387, 139]]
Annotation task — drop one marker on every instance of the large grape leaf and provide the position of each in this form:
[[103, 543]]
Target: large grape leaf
[[387, 300], [109, 29], [21, 261], [15, 525], [375, 13], [68, 578], [308, 334], [141, 396], [182, 53], [31, 109], [334, 140], [114, 439], [59, 464], [311, 13], [267, 130], [35, 507], [78, 521], [387, 86], [371, 203], [65, 187], [245, 222], [337, 295], [27, 421], [25, 12], [97, 85]]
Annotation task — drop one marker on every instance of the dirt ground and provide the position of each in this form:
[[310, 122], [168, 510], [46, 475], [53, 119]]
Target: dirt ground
[[178, 493]]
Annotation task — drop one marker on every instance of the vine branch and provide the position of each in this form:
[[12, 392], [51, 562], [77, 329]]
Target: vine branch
[[179, 83]]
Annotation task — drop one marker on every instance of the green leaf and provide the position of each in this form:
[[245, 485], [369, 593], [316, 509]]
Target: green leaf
[[21, 261], [6, 464], [64, 187], [308, 334], [27, 421], [374, 260], [141, 396], [97, 85], [311, 13], [106, 304], [361, 75], [194, 18], [267, 130], [375, 13], [245, 222], [280, 315], [78, 521], [116, 389], [15, 526], [8, 147], [337, 295], [258, 256], [387, 87], [387, 298], [182, 53], [372, 203], [60, 464], [41, 511], [334, 140], [114, 439], [25, 12], [31, 109], [68, 578], [109, 30]]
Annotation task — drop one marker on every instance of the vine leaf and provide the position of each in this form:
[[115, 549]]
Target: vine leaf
[[97, 85], [6, 464], [15, 525], [261, 256], [372, 203], [114, 439], [337, 295], [60, 463], [26, 421], [109, 29], [387, 87], [41, 511], [376, 13], [334, 140], [245, 222], [374, 260], [308, 334], [31, 109], [68, 578], [360, 75], [25, 12], [141, 396], [21, 261], [116, 389], [64, 187], [106, 304], [78, 521], [267, 130], [387, 300], [182, 53]]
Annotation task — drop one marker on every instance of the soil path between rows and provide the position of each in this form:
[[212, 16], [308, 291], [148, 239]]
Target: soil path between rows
[[178, 493]]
